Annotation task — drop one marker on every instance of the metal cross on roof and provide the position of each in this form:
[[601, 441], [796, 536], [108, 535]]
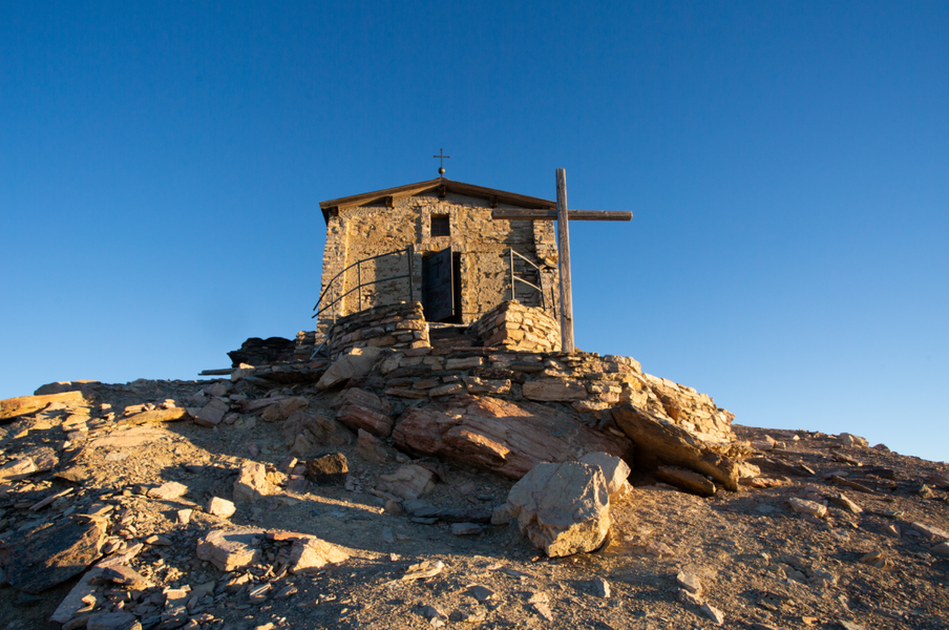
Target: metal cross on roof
[[441, 161]]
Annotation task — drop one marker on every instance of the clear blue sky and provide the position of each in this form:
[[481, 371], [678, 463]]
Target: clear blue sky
[[787, 163]]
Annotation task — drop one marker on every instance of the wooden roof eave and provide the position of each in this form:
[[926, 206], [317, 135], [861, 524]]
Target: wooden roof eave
[[331, 207]]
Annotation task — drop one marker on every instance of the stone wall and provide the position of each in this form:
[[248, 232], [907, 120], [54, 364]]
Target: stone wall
[[590, 384], [481, 243], [397, 326], [513, 326]]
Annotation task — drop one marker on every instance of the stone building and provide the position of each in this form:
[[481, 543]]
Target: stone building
[[436, 242]]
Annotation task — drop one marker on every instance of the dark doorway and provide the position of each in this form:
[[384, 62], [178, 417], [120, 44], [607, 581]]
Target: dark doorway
[[441, 287]]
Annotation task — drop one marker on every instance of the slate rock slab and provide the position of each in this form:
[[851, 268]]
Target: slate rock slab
[[231, 549], [47, 556], [673, 445]]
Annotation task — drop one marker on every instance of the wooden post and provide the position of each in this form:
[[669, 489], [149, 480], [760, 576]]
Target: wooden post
[[563, 251]]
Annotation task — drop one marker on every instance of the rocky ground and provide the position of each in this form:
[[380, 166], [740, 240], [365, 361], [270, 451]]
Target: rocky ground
[[834, 534]]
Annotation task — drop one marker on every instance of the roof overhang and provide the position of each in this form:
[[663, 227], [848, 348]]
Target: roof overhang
[[441, 186]]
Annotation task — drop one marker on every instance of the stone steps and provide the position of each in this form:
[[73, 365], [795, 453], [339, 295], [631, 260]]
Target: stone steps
[[449, 336]]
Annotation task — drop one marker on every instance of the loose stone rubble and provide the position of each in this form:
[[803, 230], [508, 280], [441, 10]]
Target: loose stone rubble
[[166, 516]]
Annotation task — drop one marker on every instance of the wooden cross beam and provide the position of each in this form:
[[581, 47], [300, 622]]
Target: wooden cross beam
[[563, 217], [551, 215]]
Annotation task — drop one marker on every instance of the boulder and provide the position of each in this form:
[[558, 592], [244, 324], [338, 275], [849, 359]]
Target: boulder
[[614, 469], [500, 435], [562, 508], [672, 444], [356, 362]]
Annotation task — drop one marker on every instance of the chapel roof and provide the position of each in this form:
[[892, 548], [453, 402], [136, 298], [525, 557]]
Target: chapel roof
[[442, 185]]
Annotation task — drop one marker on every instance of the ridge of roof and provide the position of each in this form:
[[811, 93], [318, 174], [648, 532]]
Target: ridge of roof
[[471, 190]]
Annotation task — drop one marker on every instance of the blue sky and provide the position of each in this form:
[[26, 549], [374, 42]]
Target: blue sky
[[161, 166]]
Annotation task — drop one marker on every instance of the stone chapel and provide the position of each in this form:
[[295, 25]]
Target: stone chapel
[[435, 242]]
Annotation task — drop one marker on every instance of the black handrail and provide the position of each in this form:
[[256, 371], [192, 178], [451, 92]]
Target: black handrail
[[360, 284], [409, 251]]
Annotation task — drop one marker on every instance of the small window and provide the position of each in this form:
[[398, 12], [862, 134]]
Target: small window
[[440, 225]]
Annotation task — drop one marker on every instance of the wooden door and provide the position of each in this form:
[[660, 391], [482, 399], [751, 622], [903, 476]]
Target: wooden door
[[438, 294]]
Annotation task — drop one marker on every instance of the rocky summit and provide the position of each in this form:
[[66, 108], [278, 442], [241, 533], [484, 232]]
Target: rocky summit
[[422, 485]]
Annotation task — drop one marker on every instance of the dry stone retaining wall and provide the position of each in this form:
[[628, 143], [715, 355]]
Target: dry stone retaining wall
[[397, 326], [513, 326], [410, 369], [590, 384]]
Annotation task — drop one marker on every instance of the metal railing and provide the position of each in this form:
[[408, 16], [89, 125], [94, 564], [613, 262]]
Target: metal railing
[[335, 287]]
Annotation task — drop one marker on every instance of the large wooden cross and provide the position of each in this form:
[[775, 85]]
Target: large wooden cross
[[563, 217]]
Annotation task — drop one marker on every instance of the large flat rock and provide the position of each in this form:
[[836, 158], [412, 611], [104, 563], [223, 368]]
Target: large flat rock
[[500, 435], [660, 439], [230, 549], [13, 407], [47, 556]]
